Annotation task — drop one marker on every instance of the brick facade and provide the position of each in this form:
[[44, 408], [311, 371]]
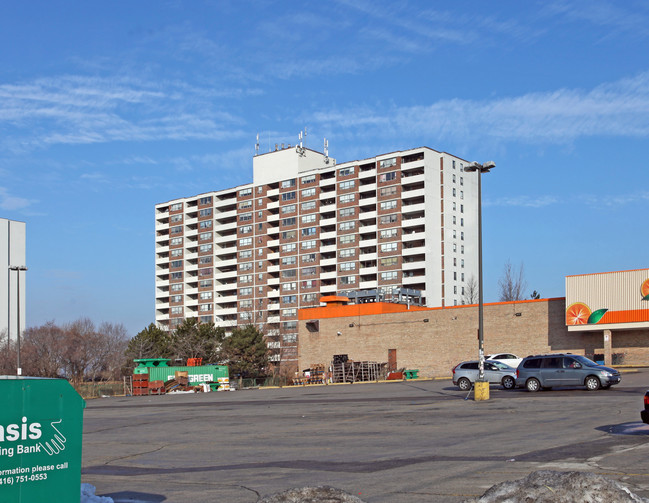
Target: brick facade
[[450, 334]]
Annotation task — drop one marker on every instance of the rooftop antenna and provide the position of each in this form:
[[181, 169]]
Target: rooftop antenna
[[299, 148], [257, 145], [326, 151]]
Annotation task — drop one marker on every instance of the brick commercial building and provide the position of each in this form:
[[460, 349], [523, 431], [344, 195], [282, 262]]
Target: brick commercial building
[[433, 340], [402, 225]]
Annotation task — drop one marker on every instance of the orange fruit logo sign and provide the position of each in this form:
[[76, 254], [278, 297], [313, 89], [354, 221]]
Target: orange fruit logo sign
[[644, 290], [577, 314]]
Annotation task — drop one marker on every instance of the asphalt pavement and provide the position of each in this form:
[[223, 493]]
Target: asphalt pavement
[[410, 441]]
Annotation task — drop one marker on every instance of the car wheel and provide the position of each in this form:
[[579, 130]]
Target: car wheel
[[592, 383], [508, 382], [533, 384], [464, 384]]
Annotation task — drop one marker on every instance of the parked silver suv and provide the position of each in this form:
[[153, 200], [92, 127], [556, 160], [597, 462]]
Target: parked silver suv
[[546, 371]]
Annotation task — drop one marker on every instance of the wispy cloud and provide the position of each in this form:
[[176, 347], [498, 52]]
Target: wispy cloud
[[598, 200], [614, 109], [81, 110], [523, 201], [9, 202]]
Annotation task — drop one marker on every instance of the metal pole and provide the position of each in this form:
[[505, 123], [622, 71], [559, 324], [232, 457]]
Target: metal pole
[[20, 370], [480, 299]]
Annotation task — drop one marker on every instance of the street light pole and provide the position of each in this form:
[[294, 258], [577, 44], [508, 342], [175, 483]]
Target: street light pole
[[480, 168], [18, 268]]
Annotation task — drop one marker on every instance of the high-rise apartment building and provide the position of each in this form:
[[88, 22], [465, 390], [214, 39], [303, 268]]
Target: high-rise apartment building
[[307, 227], [12, 278]]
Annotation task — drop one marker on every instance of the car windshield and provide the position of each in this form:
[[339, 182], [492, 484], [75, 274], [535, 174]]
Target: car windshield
[[585, 361]]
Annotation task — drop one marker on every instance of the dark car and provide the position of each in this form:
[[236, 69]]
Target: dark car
[[644, 414], [545, 371]]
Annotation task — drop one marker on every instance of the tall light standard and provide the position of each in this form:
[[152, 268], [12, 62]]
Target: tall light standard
[[18, 268], [480, 168]]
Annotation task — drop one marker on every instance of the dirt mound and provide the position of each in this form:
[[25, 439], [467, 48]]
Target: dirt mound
[[559, 487], [320, 494]]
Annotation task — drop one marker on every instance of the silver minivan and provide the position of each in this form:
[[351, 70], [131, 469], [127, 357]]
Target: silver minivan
[[548, 371]]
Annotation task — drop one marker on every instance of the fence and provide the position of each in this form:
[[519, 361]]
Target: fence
[[100, 389]]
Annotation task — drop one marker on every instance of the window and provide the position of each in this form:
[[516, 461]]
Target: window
[[176, 298], [176, 275], [386, 177], [347, 266], [454, 194], [389, 233], [388, 262], [389, 275], [289, 260], [176, 218], [176, 263], [347, 198], [245, 254], [388, 191], [205, 307], [245, 242], [308, 179], [309, 297], [349, 184], [454, 206], [246, 315], [205, 213], [176, 207], [347, 226], [205, 260], [287, 287], [453, 163], [346, 212], [307, 245], [309, 231], [389, 247], [348, 252], [309, 283], [308, 192], [177, 310], [462, 222], [289, 247], [462, 235], [178, 252], [308, 271], [349, 238], [206, 224], [205, 200], [245, 204], [177, 287], [461, 181], [388, 219], [289, 208], [245, 217], [176, 241], [288, 221], [288, 183], [289, 325], [345, 171], [347, 280], [308, 206], [289, 338], [288, 196], [245, 291], [177, 229], [289, 273], [308, 219], [205, 283], [454, 220], [205, 272], [386, 163], [245, 304], [462, 249], [205, 235], [462, 263], [389, 205], [461, 208], [309, 257], [245, 229], [288, 235], [246, 266], [461, 194], [289, 299], [245, 192]]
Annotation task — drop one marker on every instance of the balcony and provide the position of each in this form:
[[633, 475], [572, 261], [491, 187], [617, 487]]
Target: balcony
[[328, 262], [367, 285]]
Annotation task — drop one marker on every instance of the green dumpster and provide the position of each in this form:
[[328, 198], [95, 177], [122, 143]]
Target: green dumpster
[[41, 426], [412, 374]]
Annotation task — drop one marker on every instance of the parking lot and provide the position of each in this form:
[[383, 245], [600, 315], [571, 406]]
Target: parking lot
[[412, 441]]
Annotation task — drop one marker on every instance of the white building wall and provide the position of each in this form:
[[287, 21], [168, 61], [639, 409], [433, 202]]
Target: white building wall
[[12, 253]]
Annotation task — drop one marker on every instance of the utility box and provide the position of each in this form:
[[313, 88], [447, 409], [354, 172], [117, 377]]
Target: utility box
[[41, 427]]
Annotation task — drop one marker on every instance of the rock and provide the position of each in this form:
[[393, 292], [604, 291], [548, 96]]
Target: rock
[[320, 494], [559, 487]]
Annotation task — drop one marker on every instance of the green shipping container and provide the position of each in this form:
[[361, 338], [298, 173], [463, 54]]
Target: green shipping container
[[197, 375]]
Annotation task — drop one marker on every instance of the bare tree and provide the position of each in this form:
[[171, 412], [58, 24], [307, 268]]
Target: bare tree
[[471, 291], [512, 284]]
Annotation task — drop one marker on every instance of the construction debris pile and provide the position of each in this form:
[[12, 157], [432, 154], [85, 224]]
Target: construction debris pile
[[342, 370], [154, 376]]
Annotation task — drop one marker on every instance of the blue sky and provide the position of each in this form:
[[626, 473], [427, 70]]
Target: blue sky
[[107, 108]]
